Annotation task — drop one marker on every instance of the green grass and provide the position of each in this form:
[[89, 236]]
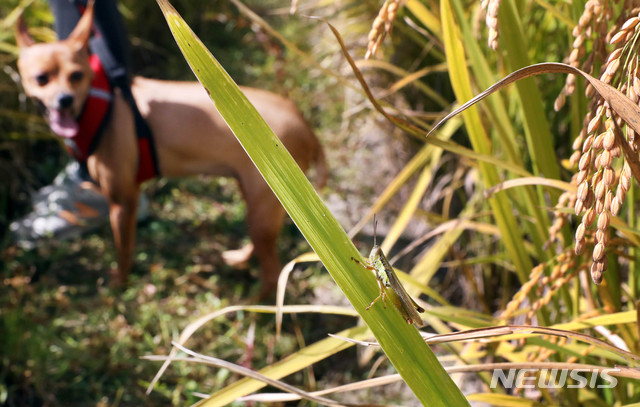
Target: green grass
[[69, 338]]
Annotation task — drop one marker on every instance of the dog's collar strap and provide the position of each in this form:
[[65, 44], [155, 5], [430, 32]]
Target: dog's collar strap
[[94, 114]]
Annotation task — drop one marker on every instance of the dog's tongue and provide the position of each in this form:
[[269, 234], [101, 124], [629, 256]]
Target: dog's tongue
[[63, 123]]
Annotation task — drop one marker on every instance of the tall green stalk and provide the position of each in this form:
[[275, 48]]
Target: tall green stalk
[[402, 343], [461, 83]]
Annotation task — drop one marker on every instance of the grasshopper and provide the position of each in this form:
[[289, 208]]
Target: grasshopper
[[387, 280]]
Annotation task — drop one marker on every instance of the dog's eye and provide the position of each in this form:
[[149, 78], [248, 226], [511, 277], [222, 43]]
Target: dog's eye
[[76, 76], [42, 79]]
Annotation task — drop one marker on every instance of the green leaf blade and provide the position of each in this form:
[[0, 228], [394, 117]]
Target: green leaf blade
[[406, 349]]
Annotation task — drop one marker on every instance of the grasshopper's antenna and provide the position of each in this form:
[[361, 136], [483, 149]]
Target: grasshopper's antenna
[[375, 226]]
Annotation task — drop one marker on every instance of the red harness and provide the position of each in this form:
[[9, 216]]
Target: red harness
[[92, 120]]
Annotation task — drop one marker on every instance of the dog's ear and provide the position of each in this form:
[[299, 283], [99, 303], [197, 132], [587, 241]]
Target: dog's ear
[[23, 38], [79, 37]]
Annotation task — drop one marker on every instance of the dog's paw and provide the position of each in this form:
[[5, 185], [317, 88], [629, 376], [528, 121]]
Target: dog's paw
[[238, 258]]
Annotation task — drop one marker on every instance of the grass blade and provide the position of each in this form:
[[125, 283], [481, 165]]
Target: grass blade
[[402, 343]]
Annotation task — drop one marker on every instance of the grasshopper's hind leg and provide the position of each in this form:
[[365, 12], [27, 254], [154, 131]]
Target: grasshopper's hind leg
[[383, 295]]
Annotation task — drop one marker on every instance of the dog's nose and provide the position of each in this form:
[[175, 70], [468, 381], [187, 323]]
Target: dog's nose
[[65, 101]]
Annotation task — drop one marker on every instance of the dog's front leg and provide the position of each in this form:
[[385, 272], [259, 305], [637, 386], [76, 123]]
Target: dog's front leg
[[123, 216]]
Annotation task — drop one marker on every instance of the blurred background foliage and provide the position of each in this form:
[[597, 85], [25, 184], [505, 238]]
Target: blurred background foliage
[[504, 258]]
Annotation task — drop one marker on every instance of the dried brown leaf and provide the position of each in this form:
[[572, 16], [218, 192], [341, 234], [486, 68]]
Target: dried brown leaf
[[622, 105]]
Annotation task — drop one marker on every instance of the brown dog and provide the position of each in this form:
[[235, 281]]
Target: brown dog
[[190, 138]]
